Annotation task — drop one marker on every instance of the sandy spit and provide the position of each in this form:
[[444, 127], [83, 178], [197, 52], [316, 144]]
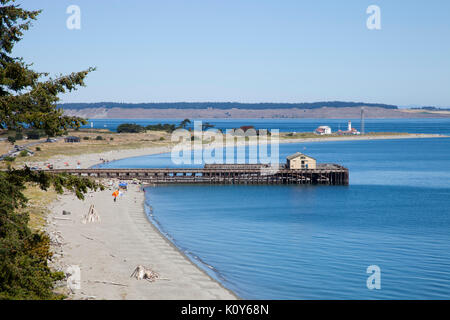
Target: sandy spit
[[91, 159]]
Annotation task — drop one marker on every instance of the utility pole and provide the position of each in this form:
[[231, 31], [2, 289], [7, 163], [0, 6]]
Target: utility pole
[[362, 121]]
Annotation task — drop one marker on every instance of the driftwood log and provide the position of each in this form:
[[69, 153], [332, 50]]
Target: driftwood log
[[91, 216], [142, 272], [109, 282]]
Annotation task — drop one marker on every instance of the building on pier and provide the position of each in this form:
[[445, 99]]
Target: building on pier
[[300, 161]]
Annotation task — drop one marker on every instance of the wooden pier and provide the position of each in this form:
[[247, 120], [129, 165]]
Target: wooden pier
[[324, 174]]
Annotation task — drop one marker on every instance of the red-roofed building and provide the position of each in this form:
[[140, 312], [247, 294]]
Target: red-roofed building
[[323, 130]]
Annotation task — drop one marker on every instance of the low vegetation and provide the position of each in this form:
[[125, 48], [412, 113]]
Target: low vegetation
[[90, 144], [38, 203], [9, 159], [23, 153]]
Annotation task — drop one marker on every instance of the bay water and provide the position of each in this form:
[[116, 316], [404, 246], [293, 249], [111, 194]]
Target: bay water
[[316, 242]]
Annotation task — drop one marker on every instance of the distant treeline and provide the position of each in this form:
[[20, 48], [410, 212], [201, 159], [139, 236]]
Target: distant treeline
[[136, 128], [223, 105], [429, 108]]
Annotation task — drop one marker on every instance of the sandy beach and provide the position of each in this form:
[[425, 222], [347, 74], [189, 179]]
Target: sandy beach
[[108, 251]]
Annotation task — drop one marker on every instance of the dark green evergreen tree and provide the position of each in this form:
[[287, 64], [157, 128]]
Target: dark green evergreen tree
[[28, 99]]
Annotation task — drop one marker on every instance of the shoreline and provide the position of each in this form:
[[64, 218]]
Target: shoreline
[[91, 159], [174, 246], [368, 138], [201, 265], [108, 251]]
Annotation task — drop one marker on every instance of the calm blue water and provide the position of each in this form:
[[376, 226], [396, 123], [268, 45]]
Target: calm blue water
[[299, 125], [316, 242]]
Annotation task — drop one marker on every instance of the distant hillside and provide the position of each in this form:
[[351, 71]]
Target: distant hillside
[[222, 105]]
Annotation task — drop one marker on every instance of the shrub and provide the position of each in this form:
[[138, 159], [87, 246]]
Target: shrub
[[11, 139], [19, 136], [161, 139], [9, 159], [99, 138], [34, 135], [161, 127], [111, 138], [85, 138], [23, 153], [130, 128], [38, 148]]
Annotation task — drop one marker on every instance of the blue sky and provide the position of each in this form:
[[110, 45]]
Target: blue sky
[[247, 51]]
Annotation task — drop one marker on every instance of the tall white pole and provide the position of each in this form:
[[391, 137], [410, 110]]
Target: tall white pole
[[362, 121]]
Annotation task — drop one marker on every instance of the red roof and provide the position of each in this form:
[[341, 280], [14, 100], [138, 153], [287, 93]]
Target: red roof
[[245, 128]]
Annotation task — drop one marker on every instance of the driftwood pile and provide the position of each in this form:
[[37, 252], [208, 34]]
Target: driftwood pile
[[56, 239], [142, 272], [91, 216]]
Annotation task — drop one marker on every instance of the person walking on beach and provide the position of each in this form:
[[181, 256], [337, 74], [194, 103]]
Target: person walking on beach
[[115, 195]]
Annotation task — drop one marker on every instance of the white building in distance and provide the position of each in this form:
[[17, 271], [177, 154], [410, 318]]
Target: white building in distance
[[323, 130]]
